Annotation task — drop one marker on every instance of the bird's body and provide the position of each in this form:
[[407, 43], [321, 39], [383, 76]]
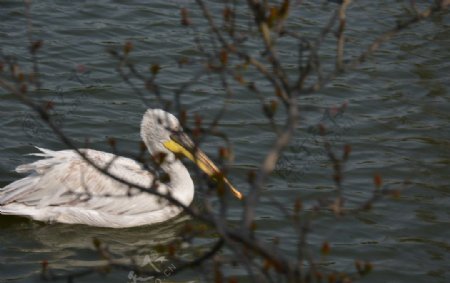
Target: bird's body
[[63, 187]]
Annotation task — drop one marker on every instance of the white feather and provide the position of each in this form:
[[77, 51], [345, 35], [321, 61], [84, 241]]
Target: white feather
[[63, 187]]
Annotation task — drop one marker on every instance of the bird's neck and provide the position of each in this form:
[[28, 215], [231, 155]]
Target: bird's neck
[[181, 184]]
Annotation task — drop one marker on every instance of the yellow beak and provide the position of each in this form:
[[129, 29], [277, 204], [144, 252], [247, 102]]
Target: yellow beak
[[180, 143]]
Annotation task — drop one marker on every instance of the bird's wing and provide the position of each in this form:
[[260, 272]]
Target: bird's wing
[[64, 179]]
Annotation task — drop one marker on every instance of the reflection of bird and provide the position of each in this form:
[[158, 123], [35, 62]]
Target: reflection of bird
[[64, 188]]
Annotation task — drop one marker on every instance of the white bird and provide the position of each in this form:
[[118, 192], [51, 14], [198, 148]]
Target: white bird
[[65, 188]]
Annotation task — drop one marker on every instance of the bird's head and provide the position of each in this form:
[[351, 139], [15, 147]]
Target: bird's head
[[162, 132]]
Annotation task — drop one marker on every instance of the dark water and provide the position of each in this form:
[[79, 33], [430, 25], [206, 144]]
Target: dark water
[[397, 122]]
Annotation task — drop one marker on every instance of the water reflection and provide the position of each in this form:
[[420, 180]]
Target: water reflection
[[66, 247]]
